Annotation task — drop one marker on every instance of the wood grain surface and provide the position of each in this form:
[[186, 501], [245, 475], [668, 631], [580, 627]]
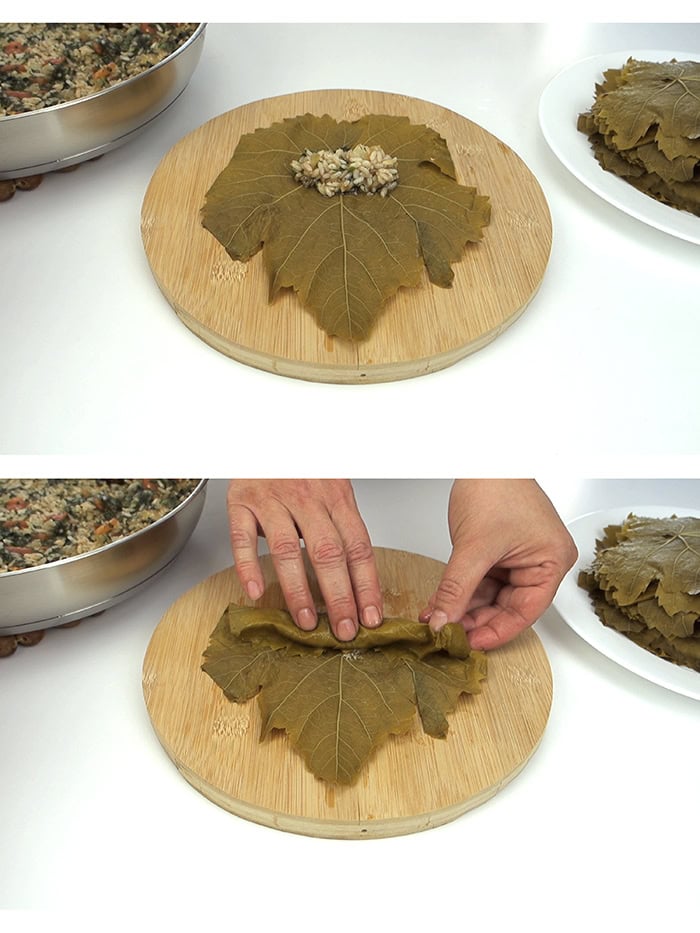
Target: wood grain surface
[[421, 329], [413, 782]]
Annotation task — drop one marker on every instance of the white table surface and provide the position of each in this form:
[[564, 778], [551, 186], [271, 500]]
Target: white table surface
[[603, 363], [600, 830]]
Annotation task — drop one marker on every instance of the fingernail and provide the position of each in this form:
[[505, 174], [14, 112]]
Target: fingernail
[[346, 630], [306, 620], [425, 615], [371, 617], [253, 589], [438, 618], [483, 638]]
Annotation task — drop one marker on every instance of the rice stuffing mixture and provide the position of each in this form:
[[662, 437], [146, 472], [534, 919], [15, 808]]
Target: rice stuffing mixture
[[44, 520], [43, 64], [360, 170]]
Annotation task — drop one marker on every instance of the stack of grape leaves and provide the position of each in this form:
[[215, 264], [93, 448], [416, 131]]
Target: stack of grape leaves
[[645, 582], [338, 701], [644, 126]]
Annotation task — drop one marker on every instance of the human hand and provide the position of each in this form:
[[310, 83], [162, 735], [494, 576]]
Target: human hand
[[510, 552], [324, 513]]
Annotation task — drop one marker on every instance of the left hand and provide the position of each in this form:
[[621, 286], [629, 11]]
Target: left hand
[[324, 513], [510, 553]]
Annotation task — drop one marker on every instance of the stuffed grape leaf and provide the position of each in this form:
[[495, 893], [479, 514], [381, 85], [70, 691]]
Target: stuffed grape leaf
[[337, 701], [645, 582], [345, 255]]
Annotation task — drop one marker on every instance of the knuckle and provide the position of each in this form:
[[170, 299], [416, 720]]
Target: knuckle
[[566, 555], [240, 492], [327, 552], [240, 538], [245, 568], [570, 553], [449, 590], [359, 552], [284, 547]]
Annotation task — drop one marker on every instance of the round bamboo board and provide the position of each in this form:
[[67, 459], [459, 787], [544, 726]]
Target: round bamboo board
[[421, 329], [411, 783]]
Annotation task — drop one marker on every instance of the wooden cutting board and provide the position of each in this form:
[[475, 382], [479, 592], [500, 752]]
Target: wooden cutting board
[[421, 330], [413, 782]]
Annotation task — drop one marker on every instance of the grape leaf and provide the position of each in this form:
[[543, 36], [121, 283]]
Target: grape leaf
[[337, 707], [345, 255], [675, 146], [337, 701], [662, 551], [272, 627], [644, 126], [438, 682], [665, 94], [645, 582]]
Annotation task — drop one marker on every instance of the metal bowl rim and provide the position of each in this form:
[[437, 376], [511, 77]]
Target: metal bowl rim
[[7, 574], [54, 108]]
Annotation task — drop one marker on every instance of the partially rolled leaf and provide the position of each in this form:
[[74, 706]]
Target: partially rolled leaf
[[338, 701]]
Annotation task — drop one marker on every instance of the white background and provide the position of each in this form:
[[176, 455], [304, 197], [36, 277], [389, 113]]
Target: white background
[[602, 364], [599, 831], [598, 378]]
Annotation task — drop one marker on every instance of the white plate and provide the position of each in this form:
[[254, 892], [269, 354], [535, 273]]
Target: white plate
[[574, 604], [572, 92]]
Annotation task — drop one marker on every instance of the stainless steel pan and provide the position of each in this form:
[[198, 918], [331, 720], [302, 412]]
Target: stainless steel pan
[[65, 590], [65, 134]]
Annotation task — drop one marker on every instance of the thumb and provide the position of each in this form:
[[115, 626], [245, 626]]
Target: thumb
[[451, 599]]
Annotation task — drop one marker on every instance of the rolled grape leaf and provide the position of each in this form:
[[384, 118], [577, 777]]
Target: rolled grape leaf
[[337, 701], [344, 255], [272, 628]]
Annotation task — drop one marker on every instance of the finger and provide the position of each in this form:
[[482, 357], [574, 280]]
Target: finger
[[328, 558], [454, 593], [243, 530], [362, 566], [484, 595], [286, 553], [516, 609]]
